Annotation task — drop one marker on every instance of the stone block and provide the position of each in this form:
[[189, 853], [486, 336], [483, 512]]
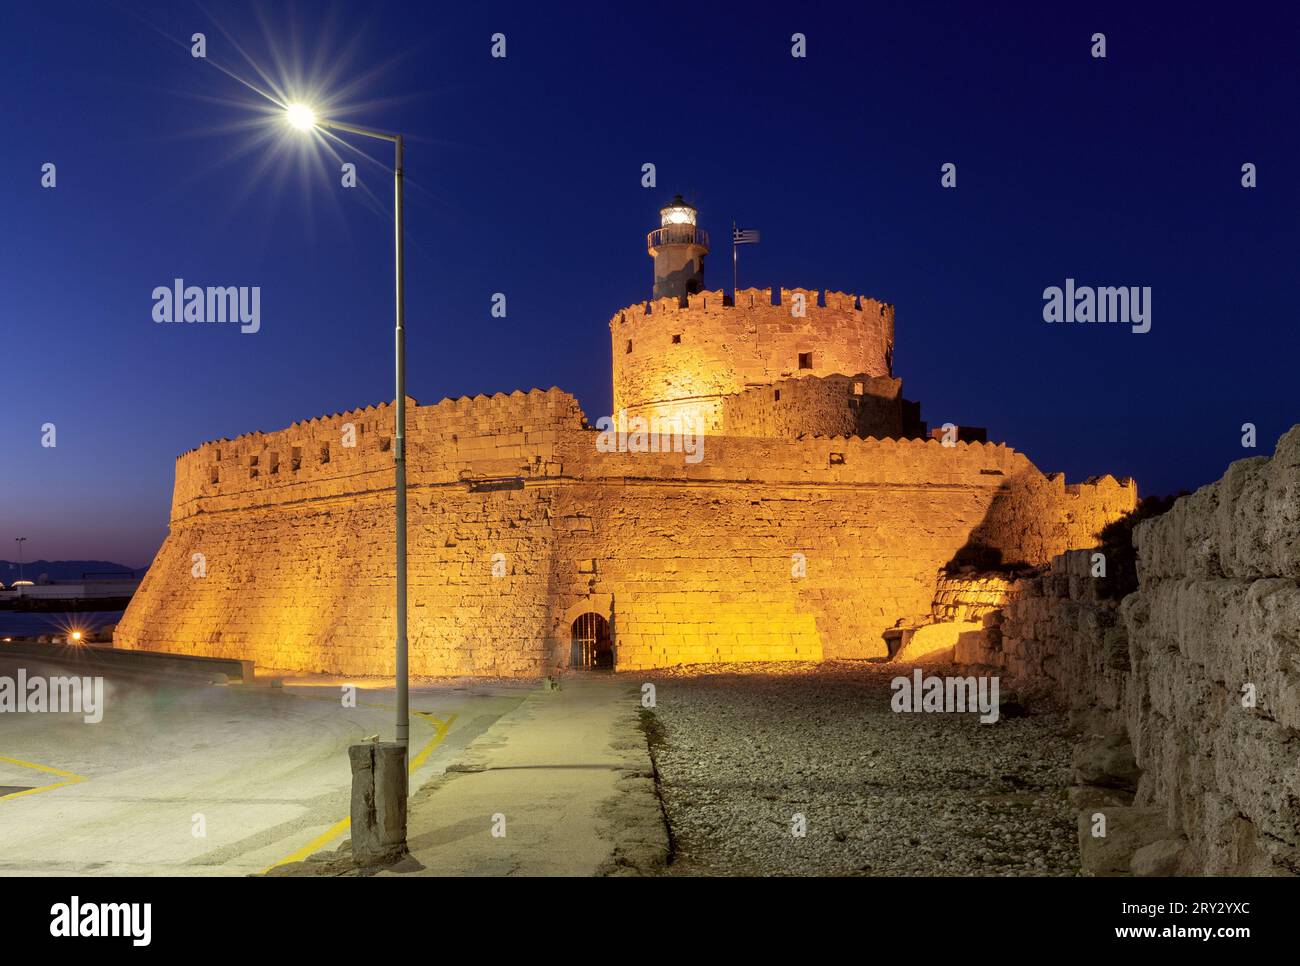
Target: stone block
[[379, 796], [1126, 831]]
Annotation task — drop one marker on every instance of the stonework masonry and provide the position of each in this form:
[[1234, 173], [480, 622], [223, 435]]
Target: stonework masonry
[[280, 544], [1192, 679], [860, 405], [673, 360], [966, 598]]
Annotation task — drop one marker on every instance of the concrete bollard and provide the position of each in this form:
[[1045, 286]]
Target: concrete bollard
[[378, 802]]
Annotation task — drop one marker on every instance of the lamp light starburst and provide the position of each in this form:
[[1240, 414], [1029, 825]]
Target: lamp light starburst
[[301, 116]]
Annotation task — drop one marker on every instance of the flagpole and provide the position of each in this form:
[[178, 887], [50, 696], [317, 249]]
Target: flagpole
[[735, 290]]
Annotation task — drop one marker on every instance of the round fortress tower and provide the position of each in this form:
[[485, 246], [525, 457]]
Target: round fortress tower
[[686, 354]]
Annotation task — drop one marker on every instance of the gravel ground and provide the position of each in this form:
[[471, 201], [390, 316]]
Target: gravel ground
[[740, 751]]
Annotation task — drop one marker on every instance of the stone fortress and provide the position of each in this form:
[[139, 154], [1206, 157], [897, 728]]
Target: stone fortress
[[819, 520]]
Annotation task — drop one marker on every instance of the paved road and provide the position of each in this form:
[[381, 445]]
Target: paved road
[[264, 770]]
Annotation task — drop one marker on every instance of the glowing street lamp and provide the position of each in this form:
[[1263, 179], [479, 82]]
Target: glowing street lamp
[[301, 116], [304, 118]]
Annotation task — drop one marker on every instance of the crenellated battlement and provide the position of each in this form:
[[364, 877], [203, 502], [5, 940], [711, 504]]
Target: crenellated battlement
[[301, 425], [373, 415], [752, 298], [353, 449]]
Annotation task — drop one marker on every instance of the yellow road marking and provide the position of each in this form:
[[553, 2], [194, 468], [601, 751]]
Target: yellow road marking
[[315, 845], [440, 729], [72, 779], [338, 828]]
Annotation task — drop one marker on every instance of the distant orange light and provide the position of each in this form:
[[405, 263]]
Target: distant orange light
[[76, 635]]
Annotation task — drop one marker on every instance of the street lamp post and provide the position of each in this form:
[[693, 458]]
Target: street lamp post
[[304, 118], [20, 541]]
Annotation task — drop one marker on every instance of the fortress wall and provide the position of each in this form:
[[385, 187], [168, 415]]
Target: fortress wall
[[809, 460], [298, 570], [500, 435], [694, 561], [836, 405], [1033, 522], [772, 550], [280, 466], [765, 572], [310, 587], [724, 349]]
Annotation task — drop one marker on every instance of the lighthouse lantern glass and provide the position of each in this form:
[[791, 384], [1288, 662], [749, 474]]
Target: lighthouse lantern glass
[[678, 215]]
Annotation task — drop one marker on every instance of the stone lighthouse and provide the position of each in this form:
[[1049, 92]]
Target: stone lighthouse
[[678, 248]]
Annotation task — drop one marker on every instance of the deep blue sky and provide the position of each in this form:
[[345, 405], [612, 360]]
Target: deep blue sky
[[525, 179]]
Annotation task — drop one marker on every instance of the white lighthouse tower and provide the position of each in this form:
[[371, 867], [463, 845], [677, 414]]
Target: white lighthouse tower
[[678, 247]]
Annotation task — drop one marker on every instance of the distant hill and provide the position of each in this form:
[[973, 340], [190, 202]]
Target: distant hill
[[63, 569]]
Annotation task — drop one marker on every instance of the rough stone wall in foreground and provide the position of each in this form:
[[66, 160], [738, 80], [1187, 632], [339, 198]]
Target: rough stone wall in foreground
[[1218, 611], [1216, 616], [1054, 636], [766, 549]]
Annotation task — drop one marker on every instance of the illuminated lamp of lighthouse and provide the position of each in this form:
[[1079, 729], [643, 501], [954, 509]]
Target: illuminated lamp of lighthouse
[[678, 213]]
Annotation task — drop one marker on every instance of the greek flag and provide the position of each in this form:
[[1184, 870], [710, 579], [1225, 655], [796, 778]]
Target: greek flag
[[744, 236]]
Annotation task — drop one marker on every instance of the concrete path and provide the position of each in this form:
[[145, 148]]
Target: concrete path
[[183, 778], [561, 785]]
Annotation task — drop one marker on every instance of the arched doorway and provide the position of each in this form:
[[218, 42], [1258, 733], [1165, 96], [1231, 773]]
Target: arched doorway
[[592, 645]]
